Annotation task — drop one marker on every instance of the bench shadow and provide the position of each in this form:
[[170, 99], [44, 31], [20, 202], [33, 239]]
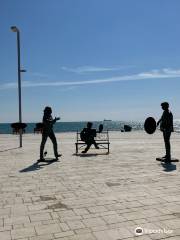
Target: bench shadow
[[5, 150], [38, 165], [89, 154], [168, 167]]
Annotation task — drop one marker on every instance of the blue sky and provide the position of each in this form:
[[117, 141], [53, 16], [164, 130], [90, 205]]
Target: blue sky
[[91, 59]]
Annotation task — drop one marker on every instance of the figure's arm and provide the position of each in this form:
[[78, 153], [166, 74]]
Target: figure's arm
[[158, 122], [48, 120], [55, 120], [172, 126]]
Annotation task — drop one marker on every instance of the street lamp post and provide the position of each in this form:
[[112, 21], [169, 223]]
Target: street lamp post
[[15, 29]]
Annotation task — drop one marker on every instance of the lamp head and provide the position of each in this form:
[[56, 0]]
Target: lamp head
[[14, 29]]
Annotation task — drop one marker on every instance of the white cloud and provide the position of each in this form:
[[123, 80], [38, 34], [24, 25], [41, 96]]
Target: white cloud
[[153, 74], [90, 69], [40, 75]]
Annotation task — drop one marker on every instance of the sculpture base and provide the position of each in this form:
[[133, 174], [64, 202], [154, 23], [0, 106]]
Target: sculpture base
[[164, 160]]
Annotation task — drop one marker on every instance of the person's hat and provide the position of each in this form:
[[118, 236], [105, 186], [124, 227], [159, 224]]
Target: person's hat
[[89, 124], [165, 104], [47, 109]]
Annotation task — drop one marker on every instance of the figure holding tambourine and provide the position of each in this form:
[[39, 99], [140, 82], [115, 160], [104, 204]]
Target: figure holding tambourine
[[166, 126], [48, 123]]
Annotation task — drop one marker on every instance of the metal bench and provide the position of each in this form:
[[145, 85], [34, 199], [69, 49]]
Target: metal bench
[[102, 140], [17, 127]]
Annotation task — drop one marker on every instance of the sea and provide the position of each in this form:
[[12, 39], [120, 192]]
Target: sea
[[5, 128]]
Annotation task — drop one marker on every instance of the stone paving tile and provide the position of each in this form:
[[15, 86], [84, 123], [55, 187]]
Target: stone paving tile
[[18, 226], [32, 224], [64, 234], [113, 219], [40, 217], [113, 234], [62, 238], [151, 213], [97, 209], [4, 212], [72, 218], [51, 221], [48, 229], [64, 227], [23, 233], [5, 235], [19, 209], [86, 236], [92, 215], [144, 237], [174, 238], [5, 228], [37, 207], [1, 222], [75, 224], [133, 215], [42, 237], [16, 220], [92, 222], [141, 221], [107, 213], [121, 224], [81, 211], [82, 230]]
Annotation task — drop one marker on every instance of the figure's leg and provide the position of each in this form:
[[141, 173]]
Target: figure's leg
[[87, 147], [168, 146], [167, 136], [53, 139], [43, 142], [95, 144]]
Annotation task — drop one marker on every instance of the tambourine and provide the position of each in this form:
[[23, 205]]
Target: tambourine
[[150, 125]]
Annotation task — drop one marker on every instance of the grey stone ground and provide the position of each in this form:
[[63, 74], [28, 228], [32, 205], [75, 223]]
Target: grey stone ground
[[103, 197]]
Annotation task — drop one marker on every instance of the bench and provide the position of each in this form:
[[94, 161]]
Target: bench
[[18, 127], [102, 140]]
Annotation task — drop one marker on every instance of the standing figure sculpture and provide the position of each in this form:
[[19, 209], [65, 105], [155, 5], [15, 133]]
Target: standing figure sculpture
[[166, 126], [48, 123]]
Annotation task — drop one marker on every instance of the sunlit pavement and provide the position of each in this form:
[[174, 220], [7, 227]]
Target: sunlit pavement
[[93, 196]]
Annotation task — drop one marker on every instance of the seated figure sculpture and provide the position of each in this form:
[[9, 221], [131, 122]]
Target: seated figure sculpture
[[87, 135]]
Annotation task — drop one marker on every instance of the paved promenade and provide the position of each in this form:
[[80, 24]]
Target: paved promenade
[[90, 197]]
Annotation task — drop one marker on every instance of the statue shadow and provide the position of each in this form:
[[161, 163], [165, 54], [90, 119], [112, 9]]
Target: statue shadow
[[38, 165], [88, 154], [168, 167], [6, 150]]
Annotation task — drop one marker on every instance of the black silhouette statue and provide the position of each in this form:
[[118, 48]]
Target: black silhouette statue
[[88, 134], [166, 126], [48, 123], [127, 128]]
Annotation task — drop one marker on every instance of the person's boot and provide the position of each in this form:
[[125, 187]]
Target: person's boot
[[57, 156], [96, 146], [85, 150], [41, 159], [167, 159]]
